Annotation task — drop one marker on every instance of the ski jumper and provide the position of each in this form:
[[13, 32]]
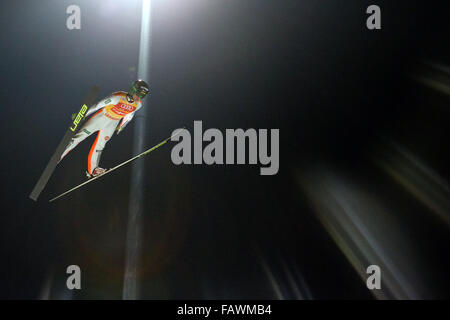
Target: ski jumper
[[115, 111]]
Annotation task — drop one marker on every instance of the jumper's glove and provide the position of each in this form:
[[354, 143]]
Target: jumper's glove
[[118, 129]]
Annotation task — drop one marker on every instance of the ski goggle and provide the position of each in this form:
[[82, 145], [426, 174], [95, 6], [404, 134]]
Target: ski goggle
[[142, 94]]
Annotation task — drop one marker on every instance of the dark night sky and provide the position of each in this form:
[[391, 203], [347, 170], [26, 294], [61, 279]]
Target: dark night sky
[[309, 68]]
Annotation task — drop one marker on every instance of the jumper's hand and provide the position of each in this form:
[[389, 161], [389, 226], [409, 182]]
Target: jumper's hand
[[118, 129]]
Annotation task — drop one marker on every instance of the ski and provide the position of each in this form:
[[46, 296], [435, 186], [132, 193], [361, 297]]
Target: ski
[[120, 165], [48, 171]]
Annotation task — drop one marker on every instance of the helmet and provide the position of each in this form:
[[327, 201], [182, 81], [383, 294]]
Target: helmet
[[139, 88]]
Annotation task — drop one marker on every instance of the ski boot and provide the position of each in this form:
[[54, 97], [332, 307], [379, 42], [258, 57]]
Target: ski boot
[[96, 172]]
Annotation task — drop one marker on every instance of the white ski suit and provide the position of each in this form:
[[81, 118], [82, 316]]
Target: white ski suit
[[112, 112]]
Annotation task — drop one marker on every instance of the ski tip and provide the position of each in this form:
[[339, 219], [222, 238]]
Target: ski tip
[[178, 131]]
